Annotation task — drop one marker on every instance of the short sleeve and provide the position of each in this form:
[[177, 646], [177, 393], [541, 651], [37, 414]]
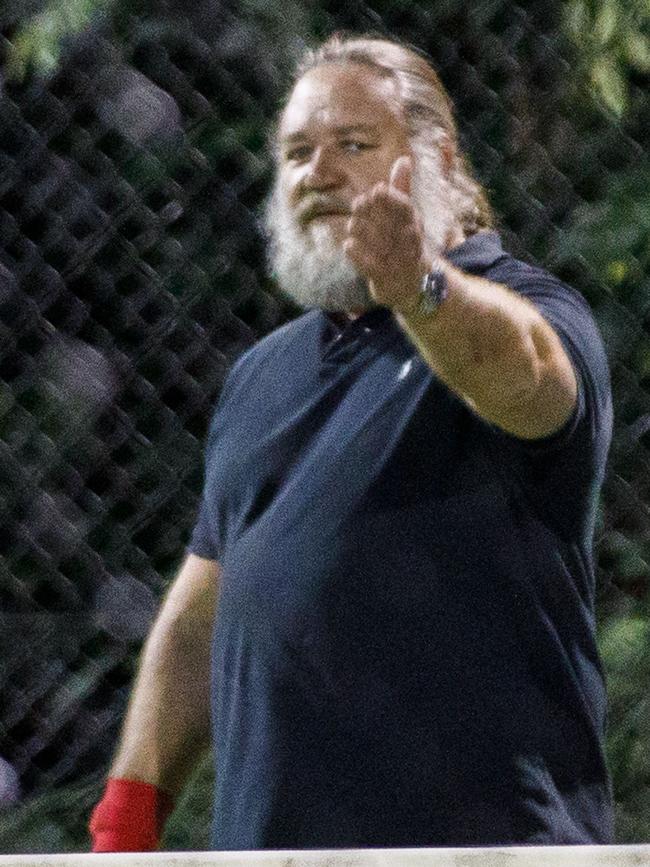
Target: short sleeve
[[204, 541], [561, 474], [572, 320]]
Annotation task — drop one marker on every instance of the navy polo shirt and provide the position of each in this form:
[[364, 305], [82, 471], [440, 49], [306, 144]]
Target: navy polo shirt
[[404, 651]]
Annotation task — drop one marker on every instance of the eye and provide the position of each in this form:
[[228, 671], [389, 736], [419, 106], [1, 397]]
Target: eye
[[298, 153], [354, 145]]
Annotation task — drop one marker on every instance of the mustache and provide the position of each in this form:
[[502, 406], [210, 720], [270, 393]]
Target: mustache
[[319, 205]]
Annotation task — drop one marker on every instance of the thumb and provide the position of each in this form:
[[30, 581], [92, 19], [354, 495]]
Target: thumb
[[400, 175]]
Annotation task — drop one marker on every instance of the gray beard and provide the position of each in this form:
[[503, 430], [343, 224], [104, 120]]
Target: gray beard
[[312, 269], [309, 266]]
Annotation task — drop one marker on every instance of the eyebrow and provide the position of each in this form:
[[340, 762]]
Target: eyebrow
[[338, 130]]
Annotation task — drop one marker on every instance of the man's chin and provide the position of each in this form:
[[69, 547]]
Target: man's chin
[[325, 232], [315, 272], [331, 226]]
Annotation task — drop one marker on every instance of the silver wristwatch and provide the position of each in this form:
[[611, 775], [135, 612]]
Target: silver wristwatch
[[433, 292]]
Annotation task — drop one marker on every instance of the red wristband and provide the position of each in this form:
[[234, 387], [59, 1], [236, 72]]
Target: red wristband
[[130, 817]]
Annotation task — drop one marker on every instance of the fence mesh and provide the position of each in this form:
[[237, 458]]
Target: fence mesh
[[133, 164]]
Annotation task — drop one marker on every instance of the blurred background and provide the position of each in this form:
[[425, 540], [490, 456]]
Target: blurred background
[[133, 169]]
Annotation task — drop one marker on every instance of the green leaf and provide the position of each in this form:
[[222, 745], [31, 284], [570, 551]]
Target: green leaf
[[607, 22], [577, 21], [37, 44], [637, 51], [610, 84], [617, 271], [623, 644]]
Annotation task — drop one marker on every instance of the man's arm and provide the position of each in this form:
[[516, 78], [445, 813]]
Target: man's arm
[[486, 342], [167, 722], [496, 350]]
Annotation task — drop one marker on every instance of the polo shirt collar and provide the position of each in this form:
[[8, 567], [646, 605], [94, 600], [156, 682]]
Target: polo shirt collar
[[477, 253]]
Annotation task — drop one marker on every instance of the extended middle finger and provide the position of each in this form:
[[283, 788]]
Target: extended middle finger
[[383, 200]]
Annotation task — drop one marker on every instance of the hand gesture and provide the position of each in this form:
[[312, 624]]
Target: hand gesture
[[384, 239]]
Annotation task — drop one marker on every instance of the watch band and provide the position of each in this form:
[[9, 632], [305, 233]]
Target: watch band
[[433, 291]]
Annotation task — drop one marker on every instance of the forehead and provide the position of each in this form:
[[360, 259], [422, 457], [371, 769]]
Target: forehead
[[340, 94]]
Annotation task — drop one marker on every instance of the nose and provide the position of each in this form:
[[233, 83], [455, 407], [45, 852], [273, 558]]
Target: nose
[[321, 172]]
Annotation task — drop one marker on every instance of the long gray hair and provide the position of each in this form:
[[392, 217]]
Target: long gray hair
[[427, 109]]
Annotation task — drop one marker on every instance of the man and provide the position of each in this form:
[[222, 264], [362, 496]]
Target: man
[[399, 508]]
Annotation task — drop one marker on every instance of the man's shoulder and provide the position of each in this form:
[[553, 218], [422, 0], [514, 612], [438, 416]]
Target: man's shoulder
[[535, 280], [287, 338], [269, 359]]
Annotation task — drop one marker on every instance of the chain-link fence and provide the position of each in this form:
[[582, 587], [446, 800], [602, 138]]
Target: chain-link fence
[[133, 163]]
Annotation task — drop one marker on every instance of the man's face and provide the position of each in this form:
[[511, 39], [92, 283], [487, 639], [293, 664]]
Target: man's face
[[339, 135]]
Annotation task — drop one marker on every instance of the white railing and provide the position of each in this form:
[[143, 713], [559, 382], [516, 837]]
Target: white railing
[[515, 856]]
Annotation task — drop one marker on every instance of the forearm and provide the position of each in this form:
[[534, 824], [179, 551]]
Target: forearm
[[487, 343], [481, 331], [494, 349], [167, 722]]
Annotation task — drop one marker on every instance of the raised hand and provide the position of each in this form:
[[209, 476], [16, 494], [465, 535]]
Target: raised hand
[[384, 239]]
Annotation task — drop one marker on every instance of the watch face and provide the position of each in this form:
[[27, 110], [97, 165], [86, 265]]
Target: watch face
[[433, 291]]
